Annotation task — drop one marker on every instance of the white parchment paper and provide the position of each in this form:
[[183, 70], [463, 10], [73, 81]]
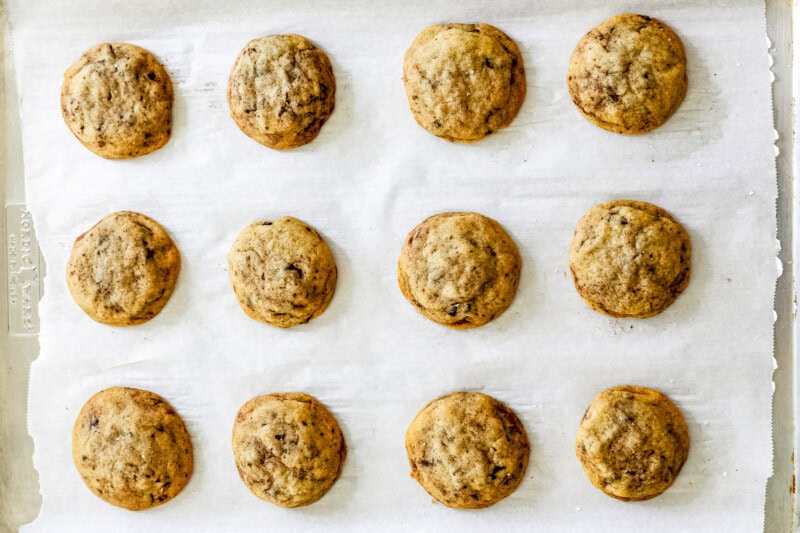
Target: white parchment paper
[[367, 180]]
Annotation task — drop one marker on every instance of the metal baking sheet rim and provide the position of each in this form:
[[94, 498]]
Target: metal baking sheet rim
[[22, 272]]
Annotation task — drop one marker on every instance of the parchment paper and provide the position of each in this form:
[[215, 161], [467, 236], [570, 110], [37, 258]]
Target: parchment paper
[[369, 178]]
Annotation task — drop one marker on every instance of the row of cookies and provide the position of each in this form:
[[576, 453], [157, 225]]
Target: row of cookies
[[466, 449], [463, 82], [628, 259]]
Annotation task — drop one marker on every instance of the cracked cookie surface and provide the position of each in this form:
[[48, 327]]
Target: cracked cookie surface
[[629, 259], [281, 91], [117, 100], [628, 75], [632, 442], [131, 448], [123, 270], [288, 448], [463, 81], [467, 450], [282, 272], [459, 269]]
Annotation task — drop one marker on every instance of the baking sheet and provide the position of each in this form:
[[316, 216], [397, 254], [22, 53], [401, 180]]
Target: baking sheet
[[364, 183], [781, 511]]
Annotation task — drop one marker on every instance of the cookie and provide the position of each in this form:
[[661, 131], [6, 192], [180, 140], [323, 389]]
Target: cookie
[[288, 448], [629, 259], [463, 81], [632, 442], [282, 272], [281, 91], [117, 100], [628, 75], [467, 450], [459, 269], [123, 270], [131, 448]]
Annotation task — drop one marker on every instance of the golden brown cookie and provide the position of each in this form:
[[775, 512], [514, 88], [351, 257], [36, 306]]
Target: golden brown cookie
[[628, 75], [281, 91], [131, 448], [467, 450], [464, 81], [282, 272], [117, 100], [288, 448], [123, 270], [632, 442], [629, 259], [459, 269]]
